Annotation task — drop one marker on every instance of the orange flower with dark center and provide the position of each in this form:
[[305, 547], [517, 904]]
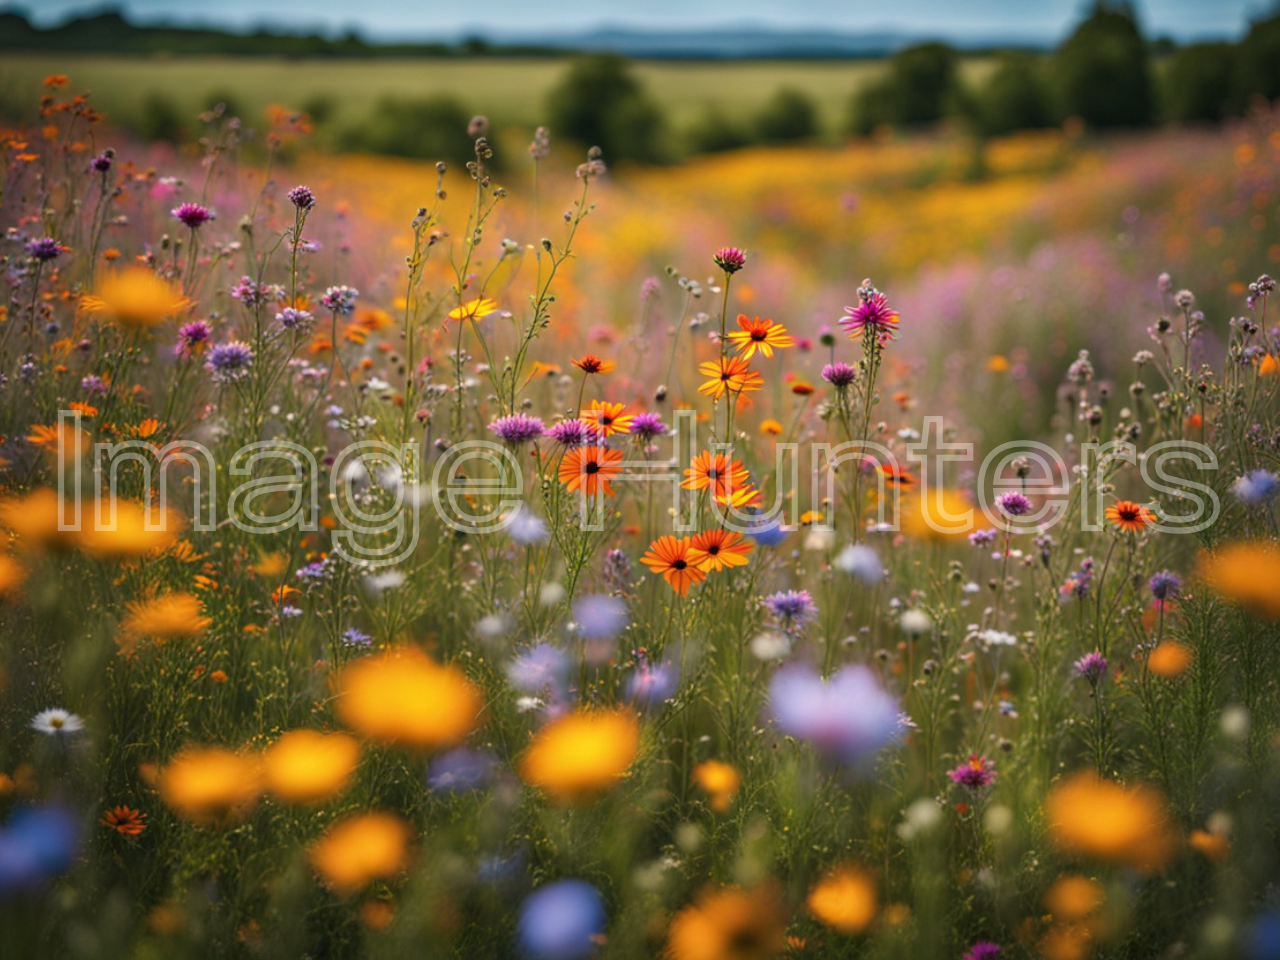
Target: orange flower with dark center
[[593, 364], [607, 418], [728, 375], [719, 549], [715, 471], [1129, 516], [125, 821], [670, 557], [744, 496], [763, 335], [589, 469], [895, 475]]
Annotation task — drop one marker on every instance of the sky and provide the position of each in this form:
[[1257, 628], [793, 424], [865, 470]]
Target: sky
[[1043, 21]]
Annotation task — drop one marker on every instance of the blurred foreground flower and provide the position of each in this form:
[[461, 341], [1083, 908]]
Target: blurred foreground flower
[[206, 784], [561, 921], [720, 781], [134, 298], [1246, 572], [1110, 822], [306, 766], [847, 718], [167, 617], [404, 697], [582, 753], [844, 899], [729, 924], [36, 843], [365, 847]]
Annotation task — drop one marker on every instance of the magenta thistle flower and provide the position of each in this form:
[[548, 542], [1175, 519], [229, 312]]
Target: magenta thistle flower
[[296, 320], [44, 249], [646, 426], [872, 314], [730, 259], [102, 162], [249, 293], [1165, 585], [975, 773], [839, 374], [1013, 504], [572, 433], [1092, 666], [192, 215], [792, 607], [983, 950], [302, 197], [982, 538], [191, 338], [517, 428]]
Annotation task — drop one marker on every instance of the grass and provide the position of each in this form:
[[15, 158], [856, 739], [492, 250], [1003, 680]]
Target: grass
[[509, 91]]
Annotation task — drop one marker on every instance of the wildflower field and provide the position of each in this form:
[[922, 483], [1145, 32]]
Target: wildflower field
[[536, 559]]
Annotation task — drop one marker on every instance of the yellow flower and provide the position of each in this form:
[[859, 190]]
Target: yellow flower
[[1073, 897], [12, 575], [63, 440], [166, 617], [35, 518], [365, 847], [771, 428], [939, 514], [1110, 822], [404, 697], [129, 536], [210, 783], [729, 924], [306, 766], [1246, 572], [845, 899], [134, 297], [720, 780], [476, 309], [582, 753]]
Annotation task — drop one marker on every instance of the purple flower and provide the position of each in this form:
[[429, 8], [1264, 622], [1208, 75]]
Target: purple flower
[[1257, 487], [572, 433], [982, 950], [44, 249], [35, 844], [102, 162], [982, 538], [540, 668], [975, 773], [229, 361], [839, 374], [340, 299], [461, 771], [302, 197], [249, 293], [652, 684], [191, 338], [730, 259], [1013, 504], [94, 384], [561, 921], [1079, 581], [600, 616], [1165, 585], [351, 637], [766, 531], [517, 428], [526, 527], [872, 314], [646, 426], [1092, 666], [192, 215], [792, 607], [296, 320], [847, 718]]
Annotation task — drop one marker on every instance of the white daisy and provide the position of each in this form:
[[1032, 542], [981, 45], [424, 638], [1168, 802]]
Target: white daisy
[[56, 721]]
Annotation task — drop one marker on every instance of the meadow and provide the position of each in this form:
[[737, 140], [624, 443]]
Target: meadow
[[558, 561], [510, 91]]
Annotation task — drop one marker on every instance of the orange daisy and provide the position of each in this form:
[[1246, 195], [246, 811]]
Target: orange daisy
[[1129, 516], [763, 335], [125, 821], [607, 418], [716, 471], [589, 468], [593, 364], [671, 558], [731, 374], [719, 549]]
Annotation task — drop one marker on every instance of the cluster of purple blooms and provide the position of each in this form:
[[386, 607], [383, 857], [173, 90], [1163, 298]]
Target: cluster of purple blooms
[[296, 321], [191, 338], [517, 428], [1164, 585], [1013, 504], [1079, 581], [302, 197], [791, 608], [1257, 487], [341, 299], [977, 772], [251, 293], [572, 433]]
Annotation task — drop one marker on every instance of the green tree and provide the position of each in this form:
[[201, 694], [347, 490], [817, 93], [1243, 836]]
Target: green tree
[[601, 103], [917, 90], [788, 116], [1013, 98], [1200, 83], [1258, 62], [434, 128], [1101, 72], [714, 132]]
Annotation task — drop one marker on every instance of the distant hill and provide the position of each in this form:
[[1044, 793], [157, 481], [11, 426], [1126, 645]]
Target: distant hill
[[109, 32]]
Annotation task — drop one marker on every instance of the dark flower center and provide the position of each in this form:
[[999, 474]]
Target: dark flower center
[[679, 565], [592, 467]]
